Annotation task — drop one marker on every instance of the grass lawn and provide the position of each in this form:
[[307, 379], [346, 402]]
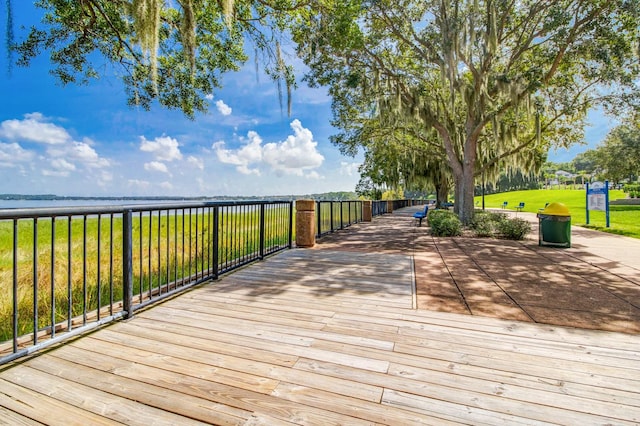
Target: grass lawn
[[624, 220]]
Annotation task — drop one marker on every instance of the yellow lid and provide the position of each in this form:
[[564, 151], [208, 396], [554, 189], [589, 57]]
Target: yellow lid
[[556, 209]]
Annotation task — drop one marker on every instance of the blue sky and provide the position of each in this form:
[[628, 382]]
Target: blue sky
[[85, 140]]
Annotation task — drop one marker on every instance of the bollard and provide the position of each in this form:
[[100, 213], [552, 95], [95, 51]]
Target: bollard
[[305, 223], [367, 212]]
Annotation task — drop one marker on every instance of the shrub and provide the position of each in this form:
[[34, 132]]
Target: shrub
[[444, 223], [514, 229], [485, 223]]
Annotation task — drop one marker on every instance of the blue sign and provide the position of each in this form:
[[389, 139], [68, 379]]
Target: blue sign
[[598, 198]]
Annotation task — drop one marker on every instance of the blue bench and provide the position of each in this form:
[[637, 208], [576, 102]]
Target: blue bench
[[504, 205], [421, 215], [520, 207]]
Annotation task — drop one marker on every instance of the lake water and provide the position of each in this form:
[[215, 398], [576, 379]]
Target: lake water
[[24, 204]]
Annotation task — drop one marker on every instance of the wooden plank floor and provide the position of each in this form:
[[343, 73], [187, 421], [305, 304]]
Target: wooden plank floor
[[325, 337]]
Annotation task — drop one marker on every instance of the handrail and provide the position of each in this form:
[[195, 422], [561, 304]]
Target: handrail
[[334, 215], [71, 269], [68, 269]]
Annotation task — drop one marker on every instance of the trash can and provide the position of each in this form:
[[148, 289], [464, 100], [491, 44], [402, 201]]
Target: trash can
[[554, 226]]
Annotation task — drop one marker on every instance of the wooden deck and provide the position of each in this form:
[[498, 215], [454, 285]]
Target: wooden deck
[[325, 337]]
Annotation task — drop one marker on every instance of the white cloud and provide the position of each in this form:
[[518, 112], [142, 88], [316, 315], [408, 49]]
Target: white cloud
[[296, 154], [349, 169], [196, 162], [62, 165], [34, 128], [12, 153], [163, 148], [250, 153], [166, 185], [139, 184], [209, 96], [313, 175], [223, 108], [156, 166], [293, 156]]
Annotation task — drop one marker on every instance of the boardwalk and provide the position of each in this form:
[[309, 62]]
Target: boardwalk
[[331, 335]]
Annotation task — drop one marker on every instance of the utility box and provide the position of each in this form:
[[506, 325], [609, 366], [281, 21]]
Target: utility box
[[554, 226]]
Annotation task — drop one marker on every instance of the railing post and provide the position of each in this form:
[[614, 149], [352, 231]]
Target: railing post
[[319, 218], [333, 227], [389, 206], [366, 211], [127, 263], [216, 241], [305, 223], [291, 224], [262, 211]]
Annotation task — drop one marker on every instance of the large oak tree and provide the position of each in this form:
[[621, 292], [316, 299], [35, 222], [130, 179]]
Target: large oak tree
[[495, 78]]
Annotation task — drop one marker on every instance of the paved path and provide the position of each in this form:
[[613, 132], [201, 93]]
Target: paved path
[[594, 284]]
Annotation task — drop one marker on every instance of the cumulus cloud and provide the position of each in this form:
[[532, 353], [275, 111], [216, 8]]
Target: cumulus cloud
[[59, 167], [81, 152], [163, 148], [138, 184], [349, 169], [12, 153], [296, 154], [209, 96], [34, 128], [156, 166], [250, 153], [223, 108], [313, 175], [293, 156], [196, 162]]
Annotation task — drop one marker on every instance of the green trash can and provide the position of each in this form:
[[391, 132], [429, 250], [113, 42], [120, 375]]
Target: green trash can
[[554, 226]]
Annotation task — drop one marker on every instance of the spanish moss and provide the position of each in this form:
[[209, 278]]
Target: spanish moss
[[146, 21]]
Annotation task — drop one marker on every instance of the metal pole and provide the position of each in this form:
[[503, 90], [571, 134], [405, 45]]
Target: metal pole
[[262, 224], [127, 263], [587, 203], [606, 200]]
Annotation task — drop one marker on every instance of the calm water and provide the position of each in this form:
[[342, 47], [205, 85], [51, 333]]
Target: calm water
[[23, 204]]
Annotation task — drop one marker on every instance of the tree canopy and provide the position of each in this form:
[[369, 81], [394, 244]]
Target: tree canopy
[[172, 52], [499, 81], [435, 90]]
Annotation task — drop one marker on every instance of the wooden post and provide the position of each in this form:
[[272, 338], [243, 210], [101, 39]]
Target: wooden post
[[389, 206], [367, 212], [305, 223]]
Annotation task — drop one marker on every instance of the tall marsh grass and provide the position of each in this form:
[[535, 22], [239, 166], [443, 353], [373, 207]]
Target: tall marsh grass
[[79, 267]]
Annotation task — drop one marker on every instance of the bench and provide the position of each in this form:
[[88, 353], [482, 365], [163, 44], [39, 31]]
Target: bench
[[520, 207], [421, 215], [504, 205]]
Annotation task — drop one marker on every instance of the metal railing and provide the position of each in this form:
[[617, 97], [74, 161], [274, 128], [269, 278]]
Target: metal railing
[[64, 271], [334, 215], [379, 208]]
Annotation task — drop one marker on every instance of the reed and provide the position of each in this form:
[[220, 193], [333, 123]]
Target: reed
[[79, 267]]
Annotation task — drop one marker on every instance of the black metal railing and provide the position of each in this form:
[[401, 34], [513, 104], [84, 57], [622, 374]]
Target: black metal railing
[[334, 215], [379, 208], [64, 271]]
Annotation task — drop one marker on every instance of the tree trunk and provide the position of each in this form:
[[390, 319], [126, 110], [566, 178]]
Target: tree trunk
[[442, 193], [466, 208]]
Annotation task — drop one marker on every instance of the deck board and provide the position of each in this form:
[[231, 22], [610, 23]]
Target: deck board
[[322, 337]]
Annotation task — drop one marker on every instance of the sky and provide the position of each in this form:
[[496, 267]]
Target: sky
[[85, 141]]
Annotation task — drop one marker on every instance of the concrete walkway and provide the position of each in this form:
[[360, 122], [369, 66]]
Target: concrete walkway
[[594, 284]]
